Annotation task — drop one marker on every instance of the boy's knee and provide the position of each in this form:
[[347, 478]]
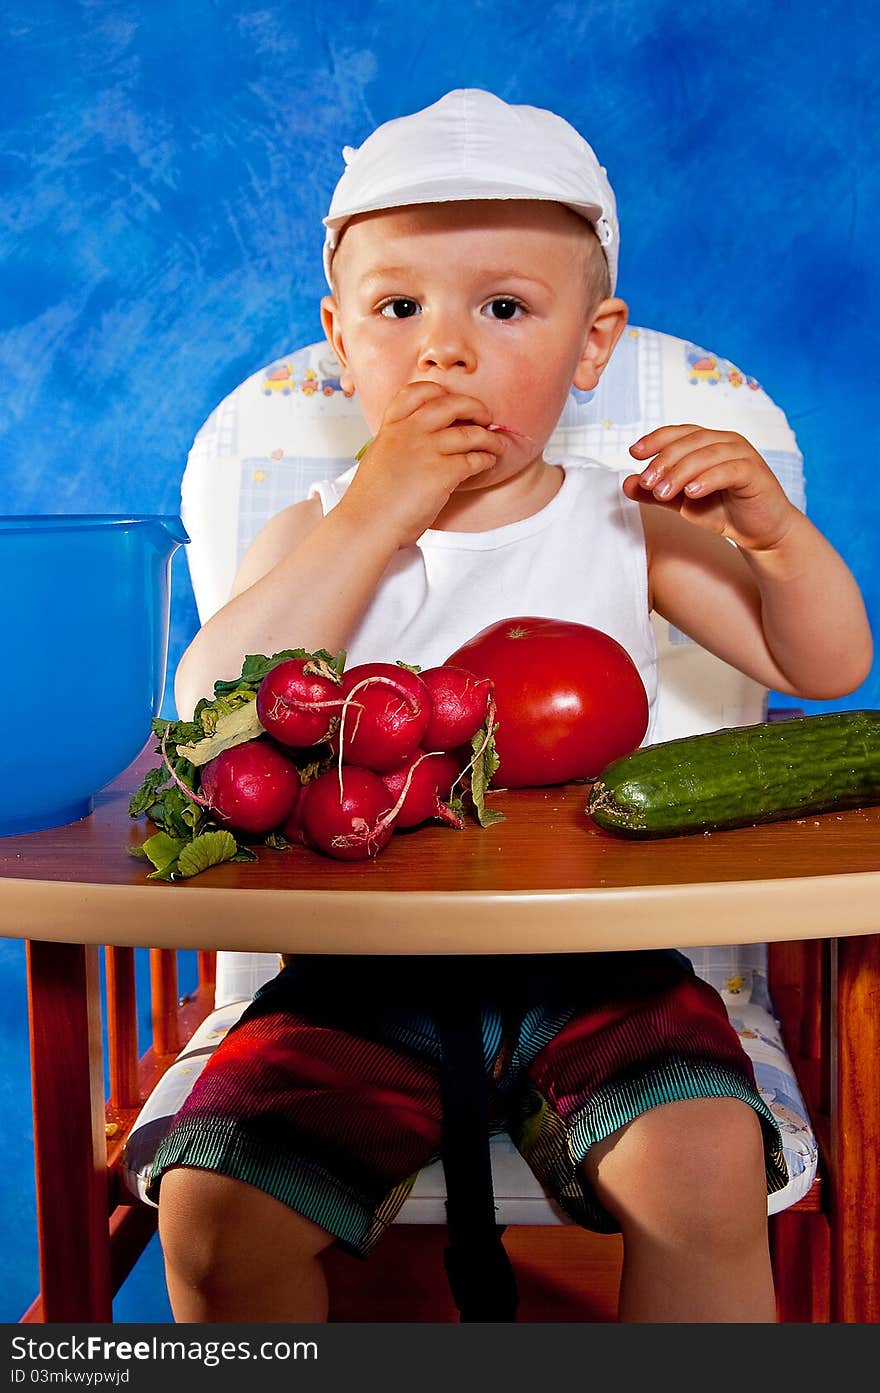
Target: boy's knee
[[723, 1199], [717, 1137], [694, 1167], [210, 1224]]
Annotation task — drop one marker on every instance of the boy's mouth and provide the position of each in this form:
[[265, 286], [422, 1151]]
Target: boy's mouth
[[506, 430]]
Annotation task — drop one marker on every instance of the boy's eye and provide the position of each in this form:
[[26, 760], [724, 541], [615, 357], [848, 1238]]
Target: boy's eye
[[505, 307], [399, 308]]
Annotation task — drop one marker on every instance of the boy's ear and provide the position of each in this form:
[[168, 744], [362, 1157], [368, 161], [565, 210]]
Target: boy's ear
[[332, 326], [607, 323]]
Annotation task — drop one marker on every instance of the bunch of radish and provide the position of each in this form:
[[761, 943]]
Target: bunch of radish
[[398, 742]]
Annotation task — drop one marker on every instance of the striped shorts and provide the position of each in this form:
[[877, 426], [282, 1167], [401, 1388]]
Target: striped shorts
[[325, 1093]]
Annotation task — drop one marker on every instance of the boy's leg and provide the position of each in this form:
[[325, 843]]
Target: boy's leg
[[234, 1253], [642, 1114], [686, 1183], [297, 1132]]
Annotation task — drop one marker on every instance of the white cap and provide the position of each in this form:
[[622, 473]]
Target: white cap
[[471, 144]]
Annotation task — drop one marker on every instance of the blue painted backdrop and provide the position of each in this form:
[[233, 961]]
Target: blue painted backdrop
[[164, 168]]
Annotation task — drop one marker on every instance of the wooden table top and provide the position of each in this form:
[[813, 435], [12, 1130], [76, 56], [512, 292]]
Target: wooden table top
[[545, 880]]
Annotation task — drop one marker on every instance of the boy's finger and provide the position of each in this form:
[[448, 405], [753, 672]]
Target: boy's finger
[[632, 487], [675, 465], [731, 475], [411, 397], [454, 409], [457, 440], [423, 393], [658, 439], [478, 461]]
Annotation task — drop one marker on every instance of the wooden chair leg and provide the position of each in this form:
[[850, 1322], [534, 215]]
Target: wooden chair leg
[[855, 1137], [800, 1247], [69, 1139]]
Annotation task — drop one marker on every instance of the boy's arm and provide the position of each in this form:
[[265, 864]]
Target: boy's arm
[[781, 605], [303, 583]]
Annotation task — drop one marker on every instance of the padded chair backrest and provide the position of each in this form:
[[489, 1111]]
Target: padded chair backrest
[[290, 424]]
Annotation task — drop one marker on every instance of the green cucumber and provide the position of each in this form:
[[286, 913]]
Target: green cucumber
[[742, 776]]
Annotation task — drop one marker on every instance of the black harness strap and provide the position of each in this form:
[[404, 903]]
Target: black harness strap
[[480, 1275]]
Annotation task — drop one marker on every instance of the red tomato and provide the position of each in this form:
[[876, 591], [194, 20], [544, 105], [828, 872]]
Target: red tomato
[[569, 698]]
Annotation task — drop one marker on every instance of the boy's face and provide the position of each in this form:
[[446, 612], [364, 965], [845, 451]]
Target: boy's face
[[486, 297]]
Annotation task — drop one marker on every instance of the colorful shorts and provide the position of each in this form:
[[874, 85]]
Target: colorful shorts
[[326, 1093]]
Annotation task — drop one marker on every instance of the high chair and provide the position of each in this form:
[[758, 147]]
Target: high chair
[[289, 425]]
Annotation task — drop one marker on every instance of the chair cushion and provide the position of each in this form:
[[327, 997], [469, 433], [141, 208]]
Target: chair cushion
[[519, 1197], [239, 975], [737, 971]]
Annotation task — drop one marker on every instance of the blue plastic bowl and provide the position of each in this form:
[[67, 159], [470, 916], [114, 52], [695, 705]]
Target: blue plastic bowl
[[86, 603]]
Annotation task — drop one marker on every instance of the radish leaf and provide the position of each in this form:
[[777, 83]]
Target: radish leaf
[[230, 728], [210, 849], [212, 712], [144, 797], [163, 851], [485, 764], [256, 665]]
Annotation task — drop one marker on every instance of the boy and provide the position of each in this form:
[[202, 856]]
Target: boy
[[471, 252]]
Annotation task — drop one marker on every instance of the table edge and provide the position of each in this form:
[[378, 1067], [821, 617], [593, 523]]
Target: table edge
[[337, 921]]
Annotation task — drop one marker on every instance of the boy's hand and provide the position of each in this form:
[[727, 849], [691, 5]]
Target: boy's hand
[[419, 457], [715, 480]]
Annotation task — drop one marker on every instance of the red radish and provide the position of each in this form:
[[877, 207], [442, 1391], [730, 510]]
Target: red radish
[[298, 702], [292, 827], [429, 787], [252, 787], [459, 703], [386, 717], [349, 826], [569, 698]]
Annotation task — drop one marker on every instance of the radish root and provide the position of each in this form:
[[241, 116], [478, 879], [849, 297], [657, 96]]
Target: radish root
[[372, 834], [196, 798], [411, 701]]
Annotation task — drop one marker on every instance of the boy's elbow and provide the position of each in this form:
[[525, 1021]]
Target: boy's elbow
[[862, 664], [848, 675], [185, 706], [187, 688], [862, 671]]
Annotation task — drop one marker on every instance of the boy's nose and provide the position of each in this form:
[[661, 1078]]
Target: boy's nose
[[447, 350]]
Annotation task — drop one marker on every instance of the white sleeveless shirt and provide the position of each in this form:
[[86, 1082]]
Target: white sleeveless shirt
[[580, 558]]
